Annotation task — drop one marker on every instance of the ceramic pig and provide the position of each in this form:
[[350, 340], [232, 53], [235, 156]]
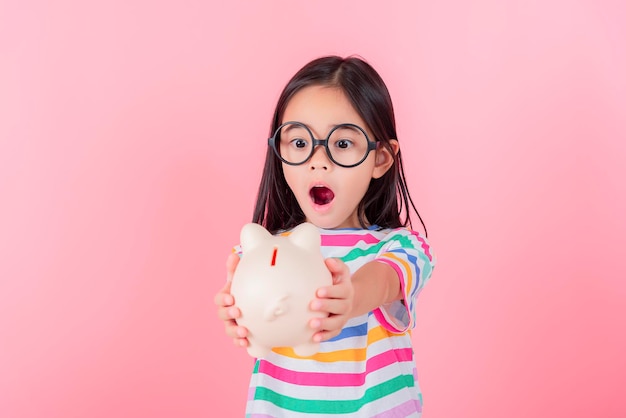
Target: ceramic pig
[[273, 285]]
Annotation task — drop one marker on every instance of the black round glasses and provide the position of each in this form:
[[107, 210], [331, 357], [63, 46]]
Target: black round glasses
[[347, 145]]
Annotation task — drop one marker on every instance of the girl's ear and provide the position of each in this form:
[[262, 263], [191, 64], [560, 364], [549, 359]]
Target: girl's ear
[[384, 158]]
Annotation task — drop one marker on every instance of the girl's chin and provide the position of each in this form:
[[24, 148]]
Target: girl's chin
[[331, 222]]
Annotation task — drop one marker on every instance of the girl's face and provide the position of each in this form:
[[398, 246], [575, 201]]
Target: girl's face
[[327, 193]]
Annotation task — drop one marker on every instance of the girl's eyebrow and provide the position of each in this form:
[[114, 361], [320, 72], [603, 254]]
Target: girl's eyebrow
[[292, 126], [343, 125]]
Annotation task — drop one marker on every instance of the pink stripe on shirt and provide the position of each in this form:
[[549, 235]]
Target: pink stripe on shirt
[[338, 379], [425, 246], [351, 240], [402, 410]]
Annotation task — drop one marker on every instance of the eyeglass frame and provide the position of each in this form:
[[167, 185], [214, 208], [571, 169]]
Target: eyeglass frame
[[371, 145]]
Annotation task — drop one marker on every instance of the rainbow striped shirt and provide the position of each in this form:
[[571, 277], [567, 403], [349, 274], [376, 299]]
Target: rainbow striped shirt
[[368, 369]]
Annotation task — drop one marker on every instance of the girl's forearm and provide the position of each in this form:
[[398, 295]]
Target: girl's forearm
[[374, 284]]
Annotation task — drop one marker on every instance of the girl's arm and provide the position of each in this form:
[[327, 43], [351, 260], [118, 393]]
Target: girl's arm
[[372, 285], [375, 284]]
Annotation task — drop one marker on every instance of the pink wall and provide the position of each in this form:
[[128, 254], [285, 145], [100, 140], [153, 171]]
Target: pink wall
[[131, 142]]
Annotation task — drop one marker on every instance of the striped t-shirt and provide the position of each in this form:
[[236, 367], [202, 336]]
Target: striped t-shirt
[[368, 369]]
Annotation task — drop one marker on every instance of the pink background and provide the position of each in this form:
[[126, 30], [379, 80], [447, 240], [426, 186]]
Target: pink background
[[131, 143]]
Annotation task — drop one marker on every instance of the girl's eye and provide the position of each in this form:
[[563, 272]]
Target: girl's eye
[[299, 143], [343, 143]]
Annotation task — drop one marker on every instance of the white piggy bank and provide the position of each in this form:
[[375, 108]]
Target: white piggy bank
[[273, 285]]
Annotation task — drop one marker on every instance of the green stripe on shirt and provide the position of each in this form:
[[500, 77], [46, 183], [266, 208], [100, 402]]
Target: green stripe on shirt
[[318, 406], [405, 242]]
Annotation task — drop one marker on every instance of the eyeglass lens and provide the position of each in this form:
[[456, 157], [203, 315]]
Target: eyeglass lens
[[347, 144]]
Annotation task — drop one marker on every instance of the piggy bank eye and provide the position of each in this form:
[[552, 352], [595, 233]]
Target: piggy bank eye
[[274, 256]]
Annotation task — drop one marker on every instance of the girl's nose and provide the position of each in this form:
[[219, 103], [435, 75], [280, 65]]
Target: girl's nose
[[319, 160]]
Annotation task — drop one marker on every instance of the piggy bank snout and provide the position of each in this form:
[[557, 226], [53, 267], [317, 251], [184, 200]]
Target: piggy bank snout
[[276, 309]]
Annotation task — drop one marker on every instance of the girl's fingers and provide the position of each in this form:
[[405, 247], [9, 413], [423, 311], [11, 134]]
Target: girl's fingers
[[223, 298], [324, 335], [332, 306], [241, 342], [228, 312], [338, 269], [342, 285], [231, 329], [338, 291], [236, 332], [331, 324]]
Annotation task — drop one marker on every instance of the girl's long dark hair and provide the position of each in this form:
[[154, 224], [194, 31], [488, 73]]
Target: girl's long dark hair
[[387, 197]]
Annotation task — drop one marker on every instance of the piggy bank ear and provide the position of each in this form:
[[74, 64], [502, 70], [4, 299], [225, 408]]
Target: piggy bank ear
[[307, 236], [252, 235]]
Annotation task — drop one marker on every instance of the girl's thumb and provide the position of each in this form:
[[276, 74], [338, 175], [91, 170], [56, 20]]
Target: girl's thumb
[[231, 265], [337, 268]]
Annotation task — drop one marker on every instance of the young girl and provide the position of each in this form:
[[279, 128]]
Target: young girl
[[351, 185]]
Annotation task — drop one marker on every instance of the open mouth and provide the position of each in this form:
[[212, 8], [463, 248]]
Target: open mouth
[[321, 195]]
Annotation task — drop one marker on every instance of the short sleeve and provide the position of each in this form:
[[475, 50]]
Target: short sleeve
[[410, 255]]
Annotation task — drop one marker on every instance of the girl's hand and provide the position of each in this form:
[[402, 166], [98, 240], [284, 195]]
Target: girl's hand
[[337, 300], [226, 309]]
